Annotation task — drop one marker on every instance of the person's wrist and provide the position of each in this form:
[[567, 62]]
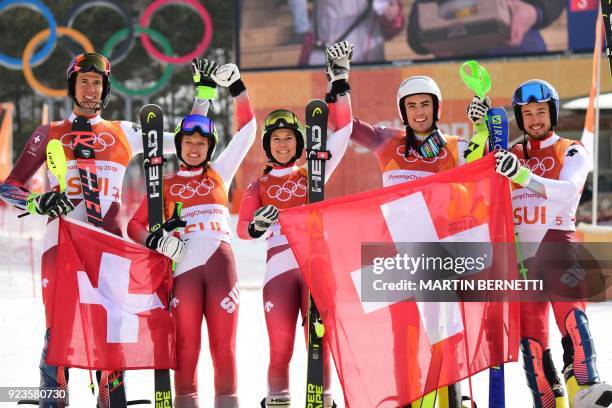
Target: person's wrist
[[205, 92]]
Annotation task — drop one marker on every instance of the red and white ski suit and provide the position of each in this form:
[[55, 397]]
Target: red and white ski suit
[[115, 144], [205, 280], [284, 293], [560, 167]]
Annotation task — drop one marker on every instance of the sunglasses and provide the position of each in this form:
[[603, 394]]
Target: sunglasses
[[192, 123], [532, 93]]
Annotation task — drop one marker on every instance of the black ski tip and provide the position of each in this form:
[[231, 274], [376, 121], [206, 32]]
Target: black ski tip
[[316, 107], [139, 402], [27, 402], [150, 112]]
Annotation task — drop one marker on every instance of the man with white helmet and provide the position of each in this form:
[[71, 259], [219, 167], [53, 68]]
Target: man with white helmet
[[548, 174], [420, 149], [417, 151]]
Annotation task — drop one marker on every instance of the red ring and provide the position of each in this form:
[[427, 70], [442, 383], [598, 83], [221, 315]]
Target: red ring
[[187, 58]]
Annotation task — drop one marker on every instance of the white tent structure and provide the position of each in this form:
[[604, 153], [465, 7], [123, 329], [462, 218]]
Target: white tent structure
[[604, 100]]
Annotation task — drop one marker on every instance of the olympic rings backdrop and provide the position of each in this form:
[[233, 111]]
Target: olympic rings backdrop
[[117, 47]]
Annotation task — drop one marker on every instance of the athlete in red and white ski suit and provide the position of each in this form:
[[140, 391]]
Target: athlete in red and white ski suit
[[115, 144], [420, 105], [284, 292], [560, 167], [205, 280], [548, 175], [419, 102]]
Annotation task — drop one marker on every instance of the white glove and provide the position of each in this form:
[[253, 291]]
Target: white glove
[[226, 75], [170, 246], [477, 110], [263, 217], [339, 60], [507, 164]]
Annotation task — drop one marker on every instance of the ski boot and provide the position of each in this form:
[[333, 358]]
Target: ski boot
[[594, 396], [542, 376], [282, 400], [579, 360], [328, 402]]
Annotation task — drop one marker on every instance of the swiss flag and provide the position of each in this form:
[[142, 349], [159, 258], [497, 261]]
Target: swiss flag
[[390, 353], [110, 303]]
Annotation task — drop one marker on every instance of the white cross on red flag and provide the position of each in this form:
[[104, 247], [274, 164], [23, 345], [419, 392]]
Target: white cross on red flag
[[109, 308], [388, 354]]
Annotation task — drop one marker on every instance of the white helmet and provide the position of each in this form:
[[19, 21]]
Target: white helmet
[[419, 84]]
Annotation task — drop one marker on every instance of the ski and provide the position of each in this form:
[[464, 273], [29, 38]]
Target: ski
[[112, 389], [606, 10], [152, 122], [84, 153], [497, 122], [316, 138]]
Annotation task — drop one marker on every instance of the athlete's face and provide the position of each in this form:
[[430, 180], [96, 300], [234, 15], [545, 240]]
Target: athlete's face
[[283, 145], [88, 91], [536, 119], [419, 110], [194, 148]]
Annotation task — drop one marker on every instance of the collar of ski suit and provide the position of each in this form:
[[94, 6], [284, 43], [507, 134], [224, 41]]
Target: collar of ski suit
[[421, 136], [549, 140], [279, 171], [190, 171], [94, 120]]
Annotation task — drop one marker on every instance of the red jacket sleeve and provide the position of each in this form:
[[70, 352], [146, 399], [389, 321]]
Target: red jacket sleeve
[[250, 202], [138, 226], [13, 189]]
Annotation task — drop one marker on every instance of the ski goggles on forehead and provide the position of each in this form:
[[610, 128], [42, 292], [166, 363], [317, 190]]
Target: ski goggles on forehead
[[532, 93], [279, 117], [193, 123], [91, 62]]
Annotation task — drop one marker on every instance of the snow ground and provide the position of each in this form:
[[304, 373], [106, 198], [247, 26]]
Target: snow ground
[[22, 329]]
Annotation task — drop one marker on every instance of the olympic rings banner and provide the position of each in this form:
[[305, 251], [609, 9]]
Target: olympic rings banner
[[117, 46]]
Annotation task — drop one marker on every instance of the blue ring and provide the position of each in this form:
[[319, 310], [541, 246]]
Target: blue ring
[[43, 54]]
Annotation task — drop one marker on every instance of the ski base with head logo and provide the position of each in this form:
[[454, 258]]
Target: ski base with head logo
[[152, 123], [111, 390], [316, 140]]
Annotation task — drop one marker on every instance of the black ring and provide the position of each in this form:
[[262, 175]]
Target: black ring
[[124, 48]]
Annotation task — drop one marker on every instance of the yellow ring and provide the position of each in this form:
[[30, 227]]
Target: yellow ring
[[29, 49]]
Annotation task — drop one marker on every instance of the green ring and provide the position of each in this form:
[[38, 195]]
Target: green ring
[[158, 38]]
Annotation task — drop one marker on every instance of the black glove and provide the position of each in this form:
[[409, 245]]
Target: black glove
[[202, 70], [52, 204]]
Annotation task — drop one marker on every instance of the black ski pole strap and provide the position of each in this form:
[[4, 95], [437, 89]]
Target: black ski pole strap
[[154, 161], [318, 154]]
